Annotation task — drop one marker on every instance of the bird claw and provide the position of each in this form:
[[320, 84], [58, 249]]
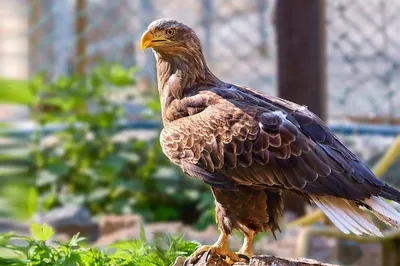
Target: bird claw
[[185, 263], [190, 260], [244, 257], [229, 256], [208, 254]]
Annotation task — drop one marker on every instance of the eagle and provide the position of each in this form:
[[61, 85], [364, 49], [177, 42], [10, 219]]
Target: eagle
[[251, 147]]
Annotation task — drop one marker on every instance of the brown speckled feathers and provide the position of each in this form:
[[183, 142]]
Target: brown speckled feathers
[[234, 139], [240, 137]]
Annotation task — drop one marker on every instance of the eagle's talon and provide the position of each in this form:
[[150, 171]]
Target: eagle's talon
[[213, 250], [243, 256], [208, 254], [194, 259]]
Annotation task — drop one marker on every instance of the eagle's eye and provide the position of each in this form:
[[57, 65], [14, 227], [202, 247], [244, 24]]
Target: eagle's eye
[[170, 32]]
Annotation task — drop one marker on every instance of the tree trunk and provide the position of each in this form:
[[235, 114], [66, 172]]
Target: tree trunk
[[300, 30]]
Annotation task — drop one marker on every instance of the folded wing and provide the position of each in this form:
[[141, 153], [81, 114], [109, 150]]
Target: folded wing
[[242, 137]]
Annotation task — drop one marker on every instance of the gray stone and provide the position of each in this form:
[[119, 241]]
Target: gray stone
[[69, 220]]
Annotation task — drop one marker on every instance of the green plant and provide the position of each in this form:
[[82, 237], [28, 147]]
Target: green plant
[[85, 166], [15, 91], [82, 164], [138, 252], [16, 178]]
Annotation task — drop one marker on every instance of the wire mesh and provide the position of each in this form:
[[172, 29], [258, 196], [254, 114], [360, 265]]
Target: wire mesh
[[114, 27], [363, 53], [238, 39]]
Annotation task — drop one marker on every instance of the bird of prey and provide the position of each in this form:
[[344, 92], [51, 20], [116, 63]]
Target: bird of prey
[[250, 147]]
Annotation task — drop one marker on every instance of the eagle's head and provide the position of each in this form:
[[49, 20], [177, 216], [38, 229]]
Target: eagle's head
[[179, 57], [169, 37]]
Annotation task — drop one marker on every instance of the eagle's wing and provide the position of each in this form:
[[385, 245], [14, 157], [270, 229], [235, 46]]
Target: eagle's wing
[[245, 138], [242, 137]]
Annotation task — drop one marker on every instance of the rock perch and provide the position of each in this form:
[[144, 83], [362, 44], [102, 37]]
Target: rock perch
[[216, 260]]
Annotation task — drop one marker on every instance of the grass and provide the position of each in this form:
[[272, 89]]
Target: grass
[[39, 250]]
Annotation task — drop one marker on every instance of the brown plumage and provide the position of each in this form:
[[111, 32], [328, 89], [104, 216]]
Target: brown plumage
[[250, 147]]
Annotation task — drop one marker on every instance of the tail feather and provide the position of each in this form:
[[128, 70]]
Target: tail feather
[[346, 215], [332, 216], [350, 223], [383, 211], [363, 220]]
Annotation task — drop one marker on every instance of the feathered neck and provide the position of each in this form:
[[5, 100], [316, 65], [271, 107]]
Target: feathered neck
[[189, 69], [180, 74]]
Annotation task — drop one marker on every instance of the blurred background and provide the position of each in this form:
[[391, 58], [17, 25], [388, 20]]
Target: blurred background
[[79, 111]]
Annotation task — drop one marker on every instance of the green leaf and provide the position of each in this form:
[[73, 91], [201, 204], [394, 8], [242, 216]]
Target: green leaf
[[15, 91], [119, 76], [32, 202], [99, 194], [45, 177], [162, 251], [75, 240], [42, 233], [142, 233]]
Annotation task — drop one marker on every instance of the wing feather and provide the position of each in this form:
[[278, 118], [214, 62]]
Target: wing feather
[[261, 140]]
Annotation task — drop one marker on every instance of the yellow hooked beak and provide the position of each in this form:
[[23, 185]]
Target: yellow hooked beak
[[149, 40]]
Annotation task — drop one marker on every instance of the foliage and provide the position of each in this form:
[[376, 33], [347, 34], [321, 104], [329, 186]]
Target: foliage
[[15, 91], [82, 163], [139, 252], [42, 232]]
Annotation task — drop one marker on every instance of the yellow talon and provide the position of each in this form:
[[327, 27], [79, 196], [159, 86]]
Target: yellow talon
[[230, 256], [219, 248]]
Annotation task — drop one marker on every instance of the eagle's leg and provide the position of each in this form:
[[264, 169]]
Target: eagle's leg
[[247, 248], [220, 248]]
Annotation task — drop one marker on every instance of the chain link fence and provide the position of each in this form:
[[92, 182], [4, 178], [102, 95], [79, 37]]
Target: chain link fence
[[364, 57], [238, 39]]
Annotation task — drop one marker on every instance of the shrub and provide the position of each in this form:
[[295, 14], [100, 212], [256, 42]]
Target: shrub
[[39, 250], [84, 166]]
